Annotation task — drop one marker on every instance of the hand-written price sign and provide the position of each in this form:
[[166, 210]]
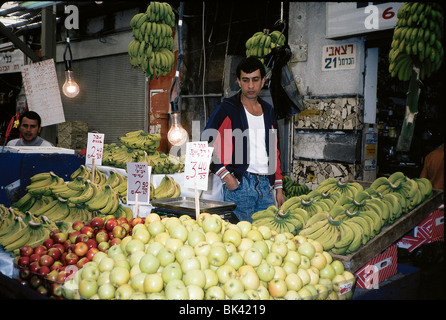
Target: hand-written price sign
[[138, 182], [95, 147], [196, 168]]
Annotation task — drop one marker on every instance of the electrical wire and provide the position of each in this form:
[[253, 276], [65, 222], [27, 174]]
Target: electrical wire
[[204, 60]]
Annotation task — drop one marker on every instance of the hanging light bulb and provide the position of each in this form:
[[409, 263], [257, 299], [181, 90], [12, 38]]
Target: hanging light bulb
[[177, 135], [70, 87]]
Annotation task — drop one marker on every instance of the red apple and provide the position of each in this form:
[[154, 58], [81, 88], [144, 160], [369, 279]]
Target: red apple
[[52, 275], [46, 260], [40, 249], [91, 252], [134, 221], [87, 230], [102, 236], [48, 243], [122, 220], [71, 247], [66, 244], [60, 237], [57, 265], [119, 232], [72, 235], [34, 266], [82, 261], [62, 258], [56, 289], [97, 222], [81, 249], [23, 261], [62, 276], [114, 241], [26, 250], [53, 233], [54, 253], [71, 258], [25, 273], [77, 225], [111, 223], [92, 243], [59, 246], [35, 257], [42, 290], [82, 238], [35, 281], [43, 270], [126, 227]]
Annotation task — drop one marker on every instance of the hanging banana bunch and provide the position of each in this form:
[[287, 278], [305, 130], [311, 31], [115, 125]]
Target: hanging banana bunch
[[262, 42], [151, 48], [417, 40]]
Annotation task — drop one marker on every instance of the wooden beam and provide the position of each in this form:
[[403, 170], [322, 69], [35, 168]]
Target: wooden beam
[[19, 43]]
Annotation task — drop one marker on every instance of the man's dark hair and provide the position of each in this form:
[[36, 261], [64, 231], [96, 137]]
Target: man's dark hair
[[31, 115], [249, 65]]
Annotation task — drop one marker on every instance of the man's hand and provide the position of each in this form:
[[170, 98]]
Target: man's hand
[[231, 182], [280, 199]]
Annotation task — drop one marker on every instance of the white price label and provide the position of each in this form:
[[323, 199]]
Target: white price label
[[138, 182], [95, 147], [196, 167]]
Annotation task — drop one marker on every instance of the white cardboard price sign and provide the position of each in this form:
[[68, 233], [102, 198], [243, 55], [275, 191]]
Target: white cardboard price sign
[[138, 182], [196, 167], [95, 147]]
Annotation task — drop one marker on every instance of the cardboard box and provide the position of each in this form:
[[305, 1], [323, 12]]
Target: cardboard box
[[378, 269], [429, 230], [432, 227], [72, 134]]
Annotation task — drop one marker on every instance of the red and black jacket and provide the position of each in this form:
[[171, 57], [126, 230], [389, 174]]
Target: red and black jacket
[[226, 131]]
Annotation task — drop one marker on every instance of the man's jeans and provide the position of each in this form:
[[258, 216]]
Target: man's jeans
[[253, 194]]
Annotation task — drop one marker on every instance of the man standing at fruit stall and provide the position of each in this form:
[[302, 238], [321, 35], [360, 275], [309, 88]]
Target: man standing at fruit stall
[[244, 134], [29, 128]]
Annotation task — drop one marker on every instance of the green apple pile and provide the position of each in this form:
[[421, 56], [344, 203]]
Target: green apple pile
[[208, 258]]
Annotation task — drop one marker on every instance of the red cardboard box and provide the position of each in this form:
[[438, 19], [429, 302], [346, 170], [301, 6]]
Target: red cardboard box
[[380, 268], [432, 227], [429, 230]]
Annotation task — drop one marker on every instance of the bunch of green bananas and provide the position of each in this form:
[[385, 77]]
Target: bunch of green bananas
[[292, 221], [141, 140], [151, 48], [292, 188], [412, 191], [168, 188], [332, 184], [139, 146], [262, 42], [354, 220], [25, 229], [417, 40]]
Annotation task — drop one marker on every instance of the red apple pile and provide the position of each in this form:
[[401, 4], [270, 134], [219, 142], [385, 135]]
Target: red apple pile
[[47, 266]]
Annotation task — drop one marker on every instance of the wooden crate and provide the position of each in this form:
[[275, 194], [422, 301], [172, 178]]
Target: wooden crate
[[72, 135], [390, 234]]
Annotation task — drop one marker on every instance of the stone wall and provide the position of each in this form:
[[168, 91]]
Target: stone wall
[[327, 140], [312, 173], [331, 113]]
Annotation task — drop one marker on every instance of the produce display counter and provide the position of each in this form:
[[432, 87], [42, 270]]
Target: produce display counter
[[391, 233]]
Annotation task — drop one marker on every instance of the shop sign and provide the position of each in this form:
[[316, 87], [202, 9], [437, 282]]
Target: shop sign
[[356, 18], [42, 91], [339, 57], [196, 166], [138, 182], [95, 147], [12, 61]]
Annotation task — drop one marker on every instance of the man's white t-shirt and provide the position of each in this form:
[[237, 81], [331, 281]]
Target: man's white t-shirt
[[258, 158], [38, 142]]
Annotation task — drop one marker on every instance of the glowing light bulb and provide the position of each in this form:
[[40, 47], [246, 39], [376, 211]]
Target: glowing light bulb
[[70, 87], [177, 135]]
